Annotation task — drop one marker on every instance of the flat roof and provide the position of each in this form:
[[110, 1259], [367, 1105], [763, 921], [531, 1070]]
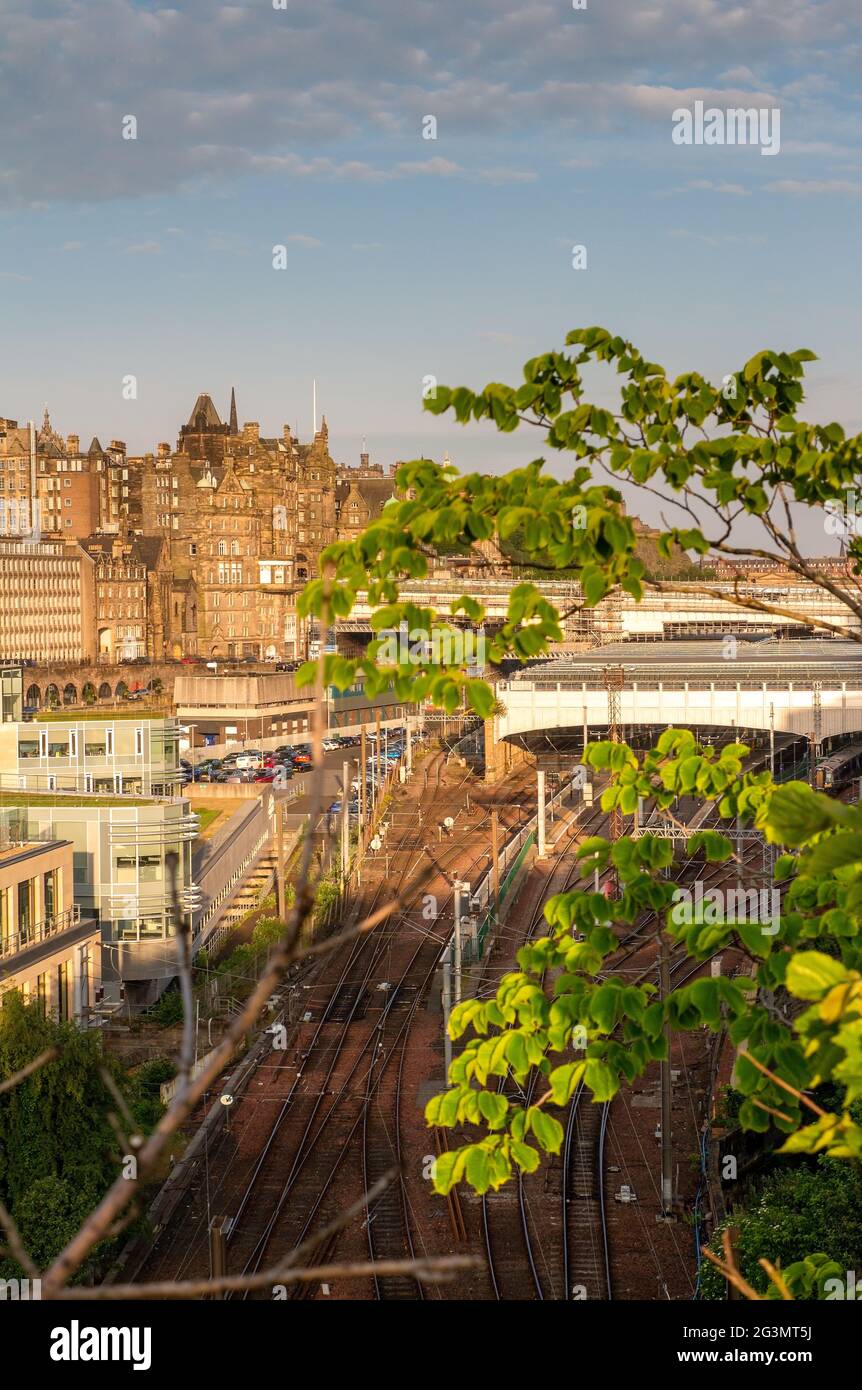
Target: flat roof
[[702, 659], [10, 854]]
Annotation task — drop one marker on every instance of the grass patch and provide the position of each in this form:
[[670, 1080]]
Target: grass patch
[[206, 815], [70, 715], [70, 799]]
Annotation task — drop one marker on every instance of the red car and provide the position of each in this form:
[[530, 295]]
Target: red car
[[303, 759], [268, 774]]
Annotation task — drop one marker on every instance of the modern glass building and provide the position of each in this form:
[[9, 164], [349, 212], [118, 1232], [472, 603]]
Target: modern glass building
[[109, 786], [136, 756]]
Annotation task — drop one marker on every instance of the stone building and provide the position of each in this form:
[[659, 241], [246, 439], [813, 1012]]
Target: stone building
[[121, 599], [209, 543], [49, 486], [245, 518], [360, 495]]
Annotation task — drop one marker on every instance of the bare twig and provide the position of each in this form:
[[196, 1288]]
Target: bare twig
[[182, 922], [104, 1217], [785, 1085], [777, 1278], [430, 1267], [729, 1269], [49, 1055]]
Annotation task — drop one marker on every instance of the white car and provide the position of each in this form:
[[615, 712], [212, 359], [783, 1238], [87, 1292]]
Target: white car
[[330, 745]]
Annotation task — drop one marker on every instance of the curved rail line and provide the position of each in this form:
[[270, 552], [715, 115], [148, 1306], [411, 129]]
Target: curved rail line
[[309, 1140]]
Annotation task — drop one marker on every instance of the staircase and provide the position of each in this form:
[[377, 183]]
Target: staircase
[[247, 897]]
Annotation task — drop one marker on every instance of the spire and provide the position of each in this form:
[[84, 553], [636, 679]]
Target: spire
[[234, 425], [46, 421]]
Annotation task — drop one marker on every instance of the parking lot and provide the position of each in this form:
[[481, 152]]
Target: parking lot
[[296, 790]]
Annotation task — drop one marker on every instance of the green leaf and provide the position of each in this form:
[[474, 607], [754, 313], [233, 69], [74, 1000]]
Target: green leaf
[[525, 1156], [565, 1080], [845, 847], [601, 1079], [548, 1131], [494, 1108], [811, 974]]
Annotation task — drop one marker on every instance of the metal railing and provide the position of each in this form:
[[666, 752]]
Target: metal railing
[[39, 931]]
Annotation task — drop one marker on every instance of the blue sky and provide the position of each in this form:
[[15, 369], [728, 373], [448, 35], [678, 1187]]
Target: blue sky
[[409, 257]]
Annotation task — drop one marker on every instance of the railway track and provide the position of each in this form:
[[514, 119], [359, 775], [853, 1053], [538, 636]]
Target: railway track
[[340, 1096], [575, 1231], [586, 1253], [518, 1264], [336, 1128]]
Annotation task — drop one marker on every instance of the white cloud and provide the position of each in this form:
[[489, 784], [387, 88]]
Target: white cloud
[[717, 238], [811, 188], [239, 89], [436, 167], [707, 186]]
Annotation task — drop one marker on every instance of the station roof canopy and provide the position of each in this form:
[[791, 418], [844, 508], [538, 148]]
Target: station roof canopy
[[831, 659]]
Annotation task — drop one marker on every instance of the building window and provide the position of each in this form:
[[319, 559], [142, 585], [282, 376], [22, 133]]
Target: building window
[[49, 884], [25, 908]]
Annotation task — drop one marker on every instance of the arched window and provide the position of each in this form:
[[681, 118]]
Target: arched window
[[234, 547], [222, 547]]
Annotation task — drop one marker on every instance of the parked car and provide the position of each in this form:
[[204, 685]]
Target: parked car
[[331, 745], [303, 759]]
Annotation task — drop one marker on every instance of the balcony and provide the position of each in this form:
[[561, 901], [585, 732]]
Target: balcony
[[39, 932]]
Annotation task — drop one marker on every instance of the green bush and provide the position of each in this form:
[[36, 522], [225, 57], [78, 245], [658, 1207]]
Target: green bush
[[810, 1207], [168, 1010], [145, 1101]]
